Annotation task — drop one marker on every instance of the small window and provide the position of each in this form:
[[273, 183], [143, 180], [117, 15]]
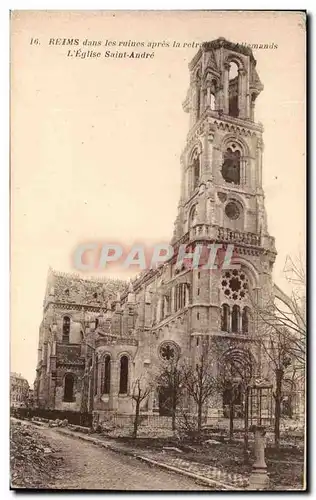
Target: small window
[[196, 171], [245, 320], [107, 375], [233, 90], [69, 388], [197, 341], [123, 375], [66, 329], [67, 292], [192, 216], [235, 319], [95, 295], [197, 315], [225, 318]]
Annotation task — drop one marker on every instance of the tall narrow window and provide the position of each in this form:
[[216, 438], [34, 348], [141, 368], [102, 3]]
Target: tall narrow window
[[192, 216], [66, 329], [123, 375], [245, 320], [196, 170], [235, 319], [225, 318], [69, 388], [233, 90], [107, 375]]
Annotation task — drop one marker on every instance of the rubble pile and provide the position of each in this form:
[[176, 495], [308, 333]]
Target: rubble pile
[[33, 460]]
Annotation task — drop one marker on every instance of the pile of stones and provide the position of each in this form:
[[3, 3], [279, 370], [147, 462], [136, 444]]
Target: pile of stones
[[33, 460]]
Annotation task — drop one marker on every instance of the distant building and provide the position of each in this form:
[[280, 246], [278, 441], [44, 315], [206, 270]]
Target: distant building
[[19, 390]]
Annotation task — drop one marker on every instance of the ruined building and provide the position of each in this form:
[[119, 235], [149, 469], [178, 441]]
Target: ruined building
[[19, 390], [98, 336]]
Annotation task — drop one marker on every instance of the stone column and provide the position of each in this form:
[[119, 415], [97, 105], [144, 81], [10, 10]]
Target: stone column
[[183, 182], [259, 479], [187, 300], [242, 93], [226, 88], [240, 320], [252, 110], [114, 385], [258, 179], [206, 157], [208, 96], [243, 172], [172, 300], [99, 374]]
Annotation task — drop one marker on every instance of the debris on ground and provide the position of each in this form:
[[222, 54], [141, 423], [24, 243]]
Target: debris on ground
[[171, 448], [33, 461]]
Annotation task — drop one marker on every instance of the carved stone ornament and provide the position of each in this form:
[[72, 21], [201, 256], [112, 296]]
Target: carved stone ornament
[[222, 197]]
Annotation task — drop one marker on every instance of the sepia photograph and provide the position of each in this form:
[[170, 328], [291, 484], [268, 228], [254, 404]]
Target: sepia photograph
[[158, 250]]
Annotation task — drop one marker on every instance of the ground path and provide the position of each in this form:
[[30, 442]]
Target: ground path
[[88, 467]]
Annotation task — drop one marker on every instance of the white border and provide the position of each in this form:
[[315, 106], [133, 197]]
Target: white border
[[4, 172]]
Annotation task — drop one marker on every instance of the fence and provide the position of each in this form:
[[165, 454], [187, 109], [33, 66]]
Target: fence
[[150, 420], [76, 418]]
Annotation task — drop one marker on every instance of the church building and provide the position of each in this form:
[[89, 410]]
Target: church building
[[98, 336]]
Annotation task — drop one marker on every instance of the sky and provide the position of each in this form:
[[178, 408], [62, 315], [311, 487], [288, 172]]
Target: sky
[[96, 142]]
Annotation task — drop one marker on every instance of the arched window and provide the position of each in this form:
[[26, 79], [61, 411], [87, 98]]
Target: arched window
[[225, 318], [69, 388], [192, 216], [180, 296], [107, 375], [123, 375], [196, 170], [231, 165], [233, 90], [235, 319], [66, 329], [245, 320]]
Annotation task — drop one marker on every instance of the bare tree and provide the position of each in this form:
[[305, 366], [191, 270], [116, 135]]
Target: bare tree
[[281, 332], [171, 380], [199, 380], [140, 391]]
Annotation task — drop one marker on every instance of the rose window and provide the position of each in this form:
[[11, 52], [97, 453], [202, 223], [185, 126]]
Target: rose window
[[234, 284], [169, 351], [232, 210]]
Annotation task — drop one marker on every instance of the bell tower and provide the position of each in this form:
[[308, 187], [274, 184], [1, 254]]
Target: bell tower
[[222, 199]]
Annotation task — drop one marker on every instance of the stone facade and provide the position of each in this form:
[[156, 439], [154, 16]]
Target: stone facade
[[97, 336]]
